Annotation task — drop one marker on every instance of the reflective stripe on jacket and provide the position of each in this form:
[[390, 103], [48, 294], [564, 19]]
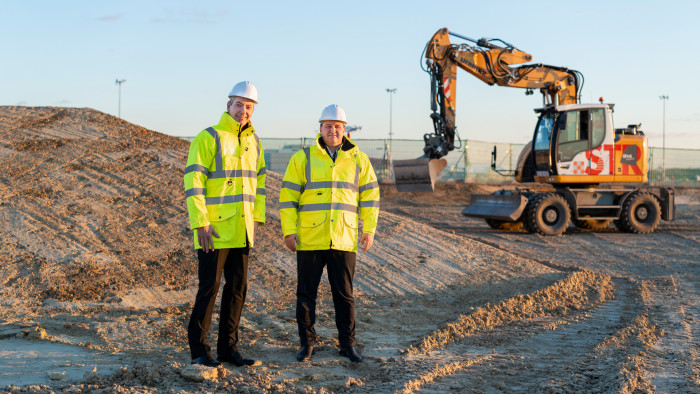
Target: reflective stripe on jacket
[[225, 182], [319, 198]]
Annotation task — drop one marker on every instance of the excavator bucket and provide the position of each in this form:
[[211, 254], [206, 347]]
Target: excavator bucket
[[417, 175], [496, 206]]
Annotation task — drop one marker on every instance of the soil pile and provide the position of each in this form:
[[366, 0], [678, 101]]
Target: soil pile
[[86, 197]]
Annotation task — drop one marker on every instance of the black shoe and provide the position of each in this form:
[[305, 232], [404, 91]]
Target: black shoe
[[305, 353], [235, 358], [351, 353], [206, 361]]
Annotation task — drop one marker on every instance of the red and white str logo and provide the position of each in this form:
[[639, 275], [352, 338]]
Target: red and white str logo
[[446, 84]]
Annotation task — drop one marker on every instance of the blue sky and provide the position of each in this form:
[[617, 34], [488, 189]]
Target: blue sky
[[180, 59]]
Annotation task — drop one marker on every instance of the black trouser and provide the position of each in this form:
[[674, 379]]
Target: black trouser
[[341, 269], [234, 265]]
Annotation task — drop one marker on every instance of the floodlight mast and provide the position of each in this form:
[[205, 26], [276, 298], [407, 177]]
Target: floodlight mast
[[664, 98], [391, 93], [120, 82]]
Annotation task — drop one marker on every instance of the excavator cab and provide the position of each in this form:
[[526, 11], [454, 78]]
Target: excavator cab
[[577, 144]]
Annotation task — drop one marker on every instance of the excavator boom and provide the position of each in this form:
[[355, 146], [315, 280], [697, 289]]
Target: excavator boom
[[490, 63]]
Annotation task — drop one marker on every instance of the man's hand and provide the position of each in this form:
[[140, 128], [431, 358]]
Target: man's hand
[[367, 241], [204, 236], [291, 241], [255, 229]]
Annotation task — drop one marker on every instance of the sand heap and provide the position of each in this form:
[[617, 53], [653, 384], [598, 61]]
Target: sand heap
[[90, 205], [93, 206]]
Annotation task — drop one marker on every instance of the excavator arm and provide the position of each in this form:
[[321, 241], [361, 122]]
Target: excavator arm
[[493, 64]]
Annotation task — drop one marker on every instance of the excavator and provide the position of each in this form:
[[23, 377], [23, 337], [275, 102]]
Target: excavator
[[585, 171]]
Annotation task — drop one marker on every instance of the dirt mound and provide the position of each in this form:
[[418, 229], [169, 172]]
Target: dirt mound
[[91, 205], [97, 209]]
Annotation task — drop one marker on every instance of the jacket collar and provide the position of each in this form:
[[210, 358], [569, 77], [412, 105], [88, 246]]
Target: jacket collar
[[227, 123], [346, 146]]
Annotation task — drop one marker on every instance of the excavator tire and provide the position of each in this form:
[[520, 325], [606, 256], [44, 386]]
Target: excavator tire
[[592, 224], [507, 226], [641, 214], [548, 214]]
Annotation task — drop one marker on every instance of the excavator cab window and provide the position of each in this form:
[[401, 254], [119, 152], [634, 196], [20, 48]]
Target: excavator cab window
[[579, 131], [572, 129], [543, 137], [597, 127]]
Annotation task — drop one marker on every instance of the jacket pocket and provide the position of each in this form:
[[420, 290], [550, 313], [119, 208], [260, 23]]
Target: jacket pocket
[[347, 231], [219, 214], [312, 229], [350, 219]]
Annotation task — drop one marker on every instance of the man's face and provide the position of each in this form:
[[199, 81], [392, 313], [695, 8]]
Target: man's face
[[332, 132], [240, 109]]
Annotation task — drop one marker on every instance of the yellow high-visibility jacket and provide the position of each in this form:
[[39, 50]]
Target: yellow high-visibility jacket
[[225, 182], [320, 198]]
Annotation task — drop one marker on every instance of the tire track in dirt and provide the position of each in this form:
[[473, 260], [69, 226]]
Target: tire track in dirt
[[41, 222], [616, 364], [71, 131], [29, 122], [685, 237], [527, 355], [101, 180], [547, 263], [521, 316], [579, 290], [440, 371], [674, 361]]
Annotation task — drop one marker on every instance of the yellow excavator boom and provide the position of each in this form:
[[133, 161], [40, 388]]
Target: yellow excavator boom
[[491, 63]]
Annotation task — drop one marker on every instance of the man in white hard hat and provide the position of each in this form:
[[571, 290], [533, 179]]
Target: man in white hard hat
[[324, 188], [225, 193]]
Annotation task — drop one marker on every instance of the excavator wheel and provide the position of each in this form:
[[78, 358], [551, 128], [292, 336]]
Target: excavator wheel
[[548, 214], [592, 224], [641, 214], [507, 226]]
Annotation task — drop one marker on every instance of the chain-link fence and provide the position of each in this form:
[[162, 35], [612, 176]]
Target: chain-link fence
[[471, 161]]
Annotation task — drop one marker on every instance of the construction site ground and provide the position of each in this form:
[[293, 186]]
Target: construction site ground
[[98, 277]]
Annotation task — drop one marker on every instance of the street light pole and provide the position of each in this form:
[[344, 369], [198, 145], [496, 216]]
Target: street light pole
[[391, 93], [120, 82], [391, 133], [664, 98]]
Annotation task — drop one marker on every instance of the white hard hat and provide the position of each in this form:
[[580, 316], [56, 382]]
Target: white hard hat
[[333, 112], [245, 89]]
